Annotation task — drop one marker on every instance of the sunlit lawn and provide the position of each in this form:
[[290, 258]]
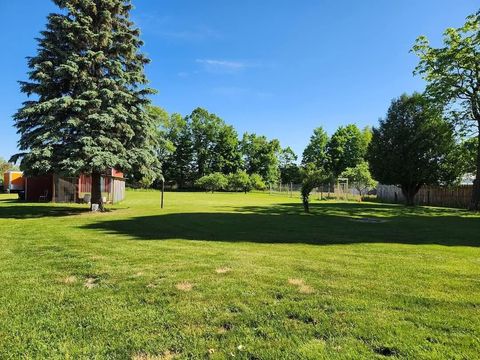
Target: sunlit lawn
[[233, 275]]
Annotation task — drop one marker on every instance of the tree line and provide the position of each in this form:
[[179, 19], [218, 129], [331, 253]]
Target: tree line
[[202, 144], [90, 110]]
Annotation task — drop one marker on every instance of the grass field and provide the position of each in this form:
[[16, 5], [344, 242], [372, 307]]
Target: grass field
[[238, 276]]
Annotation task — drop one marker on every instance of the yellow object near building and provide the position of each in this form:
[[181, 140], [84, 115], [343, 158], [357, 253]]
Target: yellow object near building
[[13, 181]]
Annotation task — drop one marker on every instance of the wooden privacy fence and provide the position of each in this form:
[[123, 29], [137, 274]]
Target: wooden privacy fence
[[443, 196]]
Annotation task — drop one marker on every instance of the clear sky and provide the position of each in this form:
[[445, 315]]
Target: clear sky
[[275, 67]]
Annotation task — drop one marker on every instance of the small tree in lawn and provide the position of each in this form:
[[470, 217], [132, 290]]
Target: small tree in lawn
[[453, 76], [411, 146], [257, 183], [311, 178], [212, 182], [88, 110], [239, 181], [360, 177]]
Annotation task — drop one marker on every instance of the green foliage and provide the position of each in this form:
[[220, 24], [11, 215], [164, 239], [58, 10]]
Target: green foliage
[[451, 71], [261, 156], [215, 144], [289, 170], [256, 182], [453, 80], [316, 150], [346, 148], [312, 178], [360, 177], [6, 166], [239, 181], [90, 95], [468, 155], [212, 182], [411, 146], [174, 144]]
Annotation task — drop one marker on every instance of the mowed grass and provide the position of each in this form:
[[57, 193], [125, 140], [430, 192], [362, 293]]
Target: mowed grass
[[238, 276]]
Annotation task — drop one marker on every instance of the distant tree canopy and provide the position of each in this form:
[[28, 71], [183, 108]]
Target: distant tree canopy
[[289, 170], [346, 148], [215, 145], [260, 157], [202, 144], [316, 150], [6, 166], [453, 80], [90, 96], [411, 145]]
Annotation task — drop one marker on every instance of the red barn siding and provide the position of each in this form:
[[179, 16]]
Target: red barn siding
[[38, 186]]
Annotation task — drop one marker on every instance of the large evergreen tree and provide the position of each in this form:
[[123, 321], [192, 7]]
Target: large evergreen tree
[[87, 113]]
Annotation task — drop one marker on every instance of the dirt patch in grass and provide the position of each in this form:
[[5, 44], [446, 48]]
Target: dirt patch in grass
[[184, 286], [296, 282], [167, 355], [69, 280], [306, 289], [91, 282], [223, 270], [303, 288]]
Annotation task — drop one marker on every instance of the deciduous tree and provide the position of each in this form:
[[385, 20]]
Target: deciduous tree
[[289, 170], [239, 181], [212, 182], [452, 73], [346, 148], [261, 156], [316, 150], [312, 177], [411, 146], [359, 177]]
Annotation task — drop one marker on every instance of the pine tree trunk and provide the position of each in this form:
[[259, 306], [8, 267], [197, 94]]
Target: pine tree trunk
[[475, 200], [97, 191]]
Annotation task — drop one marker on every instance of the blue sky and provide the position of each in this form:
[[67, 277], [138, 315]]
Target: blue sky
[[275, 67]]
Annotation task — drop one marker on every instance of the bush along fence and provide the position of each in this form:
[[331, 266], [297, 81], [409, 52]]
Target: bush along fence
[[443, 196]]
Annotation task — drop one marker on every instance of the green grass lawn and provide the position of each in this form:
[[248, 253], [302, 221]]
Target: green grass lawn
[[238, 276]]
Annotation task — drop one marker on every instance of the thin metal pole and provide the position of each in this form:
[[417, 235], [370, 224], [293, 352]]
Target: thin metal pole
[[163, 190]]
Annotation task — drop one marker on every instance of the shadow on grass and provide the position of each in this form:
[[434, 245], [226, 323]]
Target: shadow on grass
[[329, 223], [28, 211]]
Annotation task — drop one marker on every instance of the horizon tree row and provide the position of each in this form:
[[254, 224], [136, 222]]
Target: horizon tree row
[[202, 144]]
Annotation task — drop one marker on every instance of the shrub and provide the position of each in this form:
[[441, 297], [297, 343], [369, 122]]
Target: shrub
[[239, 181], [257, 182], [212, 182]]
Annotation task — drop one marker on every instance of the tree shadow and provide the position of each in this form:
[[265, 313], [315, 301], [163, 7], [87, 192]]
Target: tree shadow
[[327, 224], [24, 211], [359, 209]]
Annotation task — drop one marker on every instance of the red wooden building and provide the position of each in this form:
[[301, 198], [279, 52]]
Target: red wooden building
[[59, 189]]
